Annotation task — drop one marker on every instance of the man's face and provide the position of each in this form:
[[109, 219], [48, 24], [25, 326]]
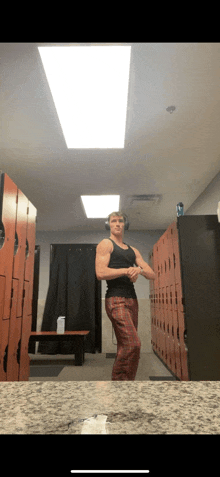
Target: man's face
[[117, 224]]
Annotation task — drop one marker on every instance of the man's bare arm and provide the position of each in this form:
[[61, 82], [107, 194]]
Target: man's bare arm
[[146, 271]]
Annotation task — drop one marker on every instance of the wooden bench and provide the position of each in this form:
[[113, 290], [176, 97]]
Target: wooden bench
[[76, 336]]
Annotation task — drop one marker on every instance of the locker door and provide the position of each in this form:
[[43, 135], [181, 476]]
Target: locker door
[[166, 319], [2, 329], [156, 265], [170, 233], [183, 349], [2, 296], [152, 300], [14, 336], [24, 370], [19, 256], [8, 208], [171, 331], [4, 349], [176, 344], [30, 250]]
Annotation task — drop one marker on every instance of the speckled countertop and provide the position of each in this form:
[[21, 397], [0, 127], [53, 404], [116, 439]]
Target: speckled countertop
[[133, 407]]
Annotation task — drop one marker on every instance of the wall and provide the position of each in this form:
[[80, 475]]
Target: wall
[[205, 204], [142, 240]]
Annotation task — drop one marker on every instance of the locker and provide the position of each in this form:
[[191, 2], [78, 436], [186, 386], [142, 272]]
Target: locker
[[20, 231], [8, 208], [25, 335], [171, 344], [156, 266], [30, 250], [176, 343], [192, 322], [183, 348], [2, 300], [166, 326], [161, 336], [17, 244], [30, 245], [4, 349], [14, 336], [162, 261], [20, 237], [171, 276], [2, 296]]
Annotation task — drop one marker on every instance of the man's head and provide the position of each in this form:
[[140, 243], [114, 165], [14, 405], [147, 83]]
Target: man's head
[[116, 214], [117, 220]]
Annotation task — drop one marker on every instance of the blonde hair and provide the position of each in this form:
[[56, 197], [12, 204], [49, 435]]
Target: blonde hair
[[117, 214]]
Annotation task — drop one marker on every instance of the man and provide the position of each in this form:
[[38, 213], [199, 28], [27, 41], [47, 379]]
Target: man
[[115, 263]]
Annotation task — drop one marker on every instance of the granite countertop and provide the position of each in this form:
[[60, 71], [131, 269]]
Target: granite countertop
[[129, 407]]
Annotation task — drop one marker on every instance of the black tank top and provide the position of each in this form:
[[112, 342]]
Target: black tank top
[[121, 286]]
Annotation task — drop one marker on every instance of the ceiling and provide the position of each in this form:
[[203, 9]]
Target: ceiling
[[174, 155]]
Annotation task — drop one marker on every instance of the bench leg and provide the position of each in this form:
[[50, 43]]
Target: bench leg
[[79, 354]]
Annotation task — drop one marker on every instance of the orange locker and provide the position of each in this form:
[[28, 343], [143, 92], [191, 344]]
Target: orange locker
[[14, 336], [171, 261], [156, 266], [8, 207], [183, 348], [30, 250], [25, 334], [17, 245], [168, 310], [4, 349], [176, 344], [20, 243], [2, 297]]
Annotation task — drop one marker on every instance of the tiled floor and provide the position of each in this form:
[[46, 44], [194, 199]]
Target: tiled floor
[[95, 368]]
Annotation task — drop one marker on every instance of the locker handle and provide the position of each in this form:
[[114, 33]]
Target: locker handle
[[12, 293], [19, 352], [178, 334], [2, 234], [22, 304], [185, 340], [5, 359]]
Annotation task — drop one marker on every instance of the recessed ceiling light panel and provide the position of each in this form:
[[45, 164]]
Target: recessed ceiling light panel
[[89, 85], [100, 206]]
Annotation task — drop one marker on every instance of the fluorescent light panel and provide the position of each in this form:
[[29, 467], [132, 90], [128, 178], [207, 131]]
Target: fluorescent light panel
[[100, 206], [89, 85]]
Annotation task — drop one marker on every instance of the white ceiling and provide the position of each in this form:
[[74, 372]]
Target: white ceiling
[[175, 155]]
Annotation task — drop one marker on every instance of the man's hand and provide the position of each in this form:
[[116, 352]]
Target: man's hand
[[132, 273]]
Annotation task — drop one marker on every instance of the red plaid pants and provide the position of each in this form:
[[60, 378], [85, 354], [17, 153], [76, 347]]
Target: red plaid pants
[[123, 313]]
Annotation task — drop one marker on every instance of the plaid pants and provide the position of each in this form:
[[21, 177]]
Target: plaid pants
[[123, 313]]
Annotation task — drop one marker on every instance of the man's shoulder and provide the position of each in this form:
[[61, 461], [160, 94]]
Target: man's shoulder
[[105, 245], [134, 249]]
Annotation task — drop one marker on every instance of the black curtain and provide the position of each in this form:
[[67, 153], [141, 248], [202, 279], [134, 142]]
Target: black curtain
[[74, 292]]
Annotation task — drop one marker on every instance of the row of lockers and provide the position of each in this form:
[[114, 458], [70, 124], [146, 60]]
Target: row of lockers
[[166, 259], [167, 338], [166, 300], [185, 298], [17, 248]]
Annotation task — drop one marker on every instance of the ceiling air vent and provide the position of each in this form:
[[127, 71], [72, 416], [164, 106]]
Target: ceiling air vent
[[145, 199]]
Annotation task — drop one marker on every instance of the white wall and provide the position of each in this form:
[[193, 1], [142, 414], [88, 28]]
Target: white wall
[[143, 241], [205, 204]]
